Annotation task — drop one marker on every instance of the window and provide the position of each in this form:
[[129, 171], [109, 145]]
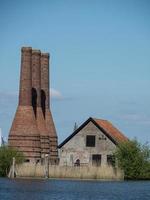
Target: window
[[111, 160], [77, 163], [96, 159], [27, 160], [90, 140]]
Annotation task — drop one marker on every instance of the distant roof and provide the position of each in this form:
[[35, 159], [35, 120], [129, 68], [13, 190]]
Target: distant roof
[[105, 126]]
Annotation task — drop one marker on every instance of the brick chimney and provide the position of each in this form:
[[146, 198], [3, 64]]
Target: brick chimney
[[45, 103], [33, 130], [36, 102], [24, 134]]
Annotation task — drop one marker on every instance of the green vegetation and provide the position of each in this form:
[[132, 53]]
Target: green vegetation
[[134, 159], [6, 157]]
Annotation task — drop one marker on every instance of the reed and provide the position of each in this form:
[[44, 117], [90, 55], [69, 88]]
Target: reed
[[85, 172]]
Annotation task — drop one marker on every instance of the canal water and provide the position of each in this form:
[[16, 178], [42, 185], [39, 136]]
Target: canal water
[[19, 189]]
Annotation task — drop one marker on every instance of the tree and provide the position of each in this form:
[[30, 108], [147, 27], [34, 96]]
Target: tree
[[134, 159], [6, 156]]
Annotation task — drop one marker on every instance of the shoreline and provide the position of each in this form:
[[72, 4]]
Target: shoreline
[[77, 179]]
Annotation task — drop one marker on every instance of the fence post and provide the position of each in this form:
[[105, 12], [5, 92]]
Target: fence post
[[46, 166], [13, 167]]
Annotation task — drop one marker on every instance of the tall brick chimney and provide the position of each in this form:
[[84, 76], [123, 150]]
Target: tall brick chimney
[[36, 102], [24, 134], [33, 130], [45, 103]]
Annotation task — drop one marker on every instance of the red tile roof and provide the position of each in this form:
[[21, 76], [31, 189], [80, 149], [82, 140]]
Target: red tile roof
[[105, 126], [111, 130]]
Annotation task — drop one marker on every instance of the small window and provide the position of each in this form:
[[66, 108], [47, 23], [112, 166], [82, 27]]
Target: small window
[[27, 160], [77, 163], [90, 140], [111, 160], [96, 159]]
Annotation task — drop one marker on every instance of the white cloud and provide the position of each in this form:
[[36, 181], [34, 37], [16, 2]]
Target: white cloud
[[55, 94]]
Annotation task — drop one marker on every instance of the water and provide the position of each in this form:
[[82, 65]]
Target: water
[[19, 189]]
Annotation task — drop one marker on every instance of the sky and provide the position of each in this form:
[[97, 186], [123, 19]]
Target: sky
[[99, 60]]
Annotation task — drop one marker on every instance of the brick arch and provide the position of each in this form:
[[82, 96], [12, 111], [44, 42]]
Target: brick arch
[[34, 100], [43, 102]]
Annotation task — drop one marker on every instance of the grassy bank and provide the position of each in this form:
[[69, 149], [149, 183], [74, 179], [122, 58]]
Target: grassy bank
[[91, 172]]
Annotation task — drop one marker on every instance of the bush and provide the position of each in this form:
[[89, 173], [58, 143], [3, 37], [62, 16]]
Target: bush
[[6, 156], [134, 159]]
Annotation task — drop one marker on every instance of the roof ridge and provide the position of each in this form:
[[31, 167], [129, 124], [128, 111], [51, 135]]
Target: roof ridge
[[99, 119]]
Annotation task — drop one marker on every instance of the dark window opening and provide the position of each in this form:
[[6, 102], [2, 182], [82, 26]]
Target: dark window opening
[[90, 140], [111, 160], [43, 100], [27, 160], [77, 163], [37, 161], [34, 100], [96, 159]]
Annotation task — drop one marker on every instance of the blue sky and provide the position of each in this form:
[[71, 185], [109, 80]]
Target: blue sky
[[100, 60]]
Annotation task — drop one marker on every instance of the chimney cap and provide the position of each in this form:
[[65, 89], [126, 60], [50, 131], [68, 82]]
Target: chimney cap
[[36, 51], [46, 55], [26, 49]]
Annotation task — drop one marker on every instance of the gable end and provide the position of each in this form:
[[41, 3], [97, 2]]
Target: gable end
[[82, 126]]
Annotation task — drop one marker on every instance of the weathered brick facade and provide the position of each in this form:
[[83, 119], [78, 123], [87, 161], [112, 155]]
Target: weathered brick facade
[[33, 131], [93, 143], [46, 108]]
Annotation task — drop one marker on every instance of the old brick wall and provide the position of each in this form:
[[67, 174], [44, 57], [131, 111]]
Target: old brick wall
[[24, 134], [45, 88]]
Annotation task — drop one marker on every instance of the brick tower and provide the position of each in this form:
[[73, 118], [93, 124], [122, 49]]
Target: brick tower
[[45, 103], [24, 134], [36, 102], [33, 131]]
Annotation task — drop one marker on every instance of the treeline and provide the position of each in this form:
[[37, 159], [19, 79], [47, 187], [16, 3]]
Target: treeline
[[134, 158], [6, 157]]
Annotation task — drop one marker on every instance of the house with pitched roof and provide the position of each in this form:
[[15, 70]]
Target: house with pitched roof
[[93, 143]]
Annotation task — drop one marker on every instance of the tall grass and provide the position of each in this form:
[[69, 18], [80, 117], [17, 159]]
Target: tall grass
[[84, 172]]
